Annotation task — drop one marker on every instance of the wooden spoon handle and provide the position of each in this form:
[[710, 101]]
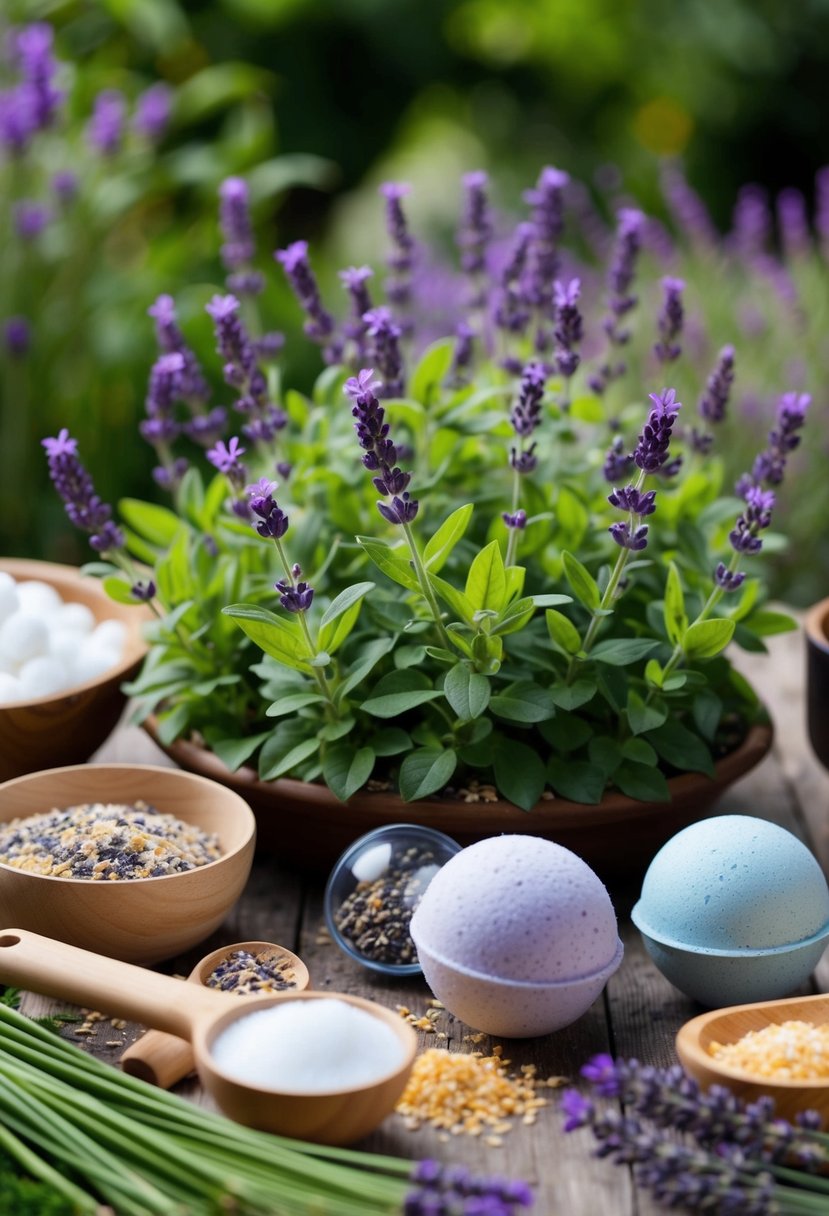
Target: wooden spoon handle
[[55, 969], [161, 1059]]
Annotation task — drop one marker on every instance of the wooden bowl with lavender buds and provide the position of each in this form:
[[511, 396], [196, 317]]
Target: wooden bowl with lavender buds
[[139, 890], [67, 726]]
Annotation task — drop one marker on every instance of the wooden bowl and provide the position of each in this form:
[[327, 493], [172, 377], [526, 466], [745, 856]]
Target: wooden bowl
[[816, 626], [137, 920], [67, 727], [729, 1025]]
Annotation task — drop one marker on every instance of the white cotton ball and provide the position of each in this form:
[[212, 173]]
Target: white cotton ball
[[43, 676], [92, 661], [23, 637], [38, 599], [111, 635], [9, 688], [65, 645], [76, 618], [9, 602]]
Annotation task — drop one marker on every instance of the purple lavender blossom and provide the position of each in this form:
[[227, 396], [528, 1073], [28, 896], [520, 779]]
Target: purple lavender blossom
[[728, 580], [227, 458], [454, 1191], [713, 402], [755, 518], [515, 519], [268, 345], [751, 221], [633, 500], [384, 334], [319, 324], [525, 414], [569, 329], [669, 322], [380, 454], [84, 507], [37, 98], [793, 223], [475, 233], [783, 439], [512, 311], [234, 218], [617, 462], [194, 388], [651, 451], [16, 122], [272, 522], [64, 186], [822, 208], [355, 280], [401, 259], [687, 209], [622, 271], [235, 348], [105, 129], [17, 336], [294, 597], [160, 428], [30, 219], [546, 199], [153, 109]]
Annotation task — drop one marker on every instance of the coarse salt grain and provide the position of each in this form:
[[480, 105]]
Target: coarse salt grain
[[468, 1093], [788, 1051], [310, 1047]]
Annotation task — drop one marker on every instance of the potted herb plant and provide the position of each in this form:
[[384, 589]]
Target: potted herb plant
[[485, 583]]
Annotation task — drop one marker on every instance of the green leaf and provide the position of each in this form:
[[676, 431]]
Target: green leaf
[[550, 601], [514, 617], [118, 589], [654, 673], [154, 523], [431, 371], [676, 620], [643, 716], [282, 642], [619, 652], [341, 615], [480, 753], [566, 733], [390, 741], [234, 752], [707, 710], [563, 632], [520, 774], [344, 770], [398, 692], [704, 639], [440, 546], [572, 518], [332, 731], [372, 654], [571, 696], [681, 748], [467, 692], [605, 753], [395, 567], [639, 751], [588, 409], [411, 656], [642, 781], [576, 780], [426, 771], [486, 585], [216, 88], [292, 702], [456, 600], [298, 753], [765, 623], [584, 586], [524, 702]]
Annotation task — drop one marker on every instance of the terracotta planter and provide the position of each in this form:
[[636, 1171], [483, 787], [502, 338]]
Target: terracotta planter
[[817, 679], [306, 825]]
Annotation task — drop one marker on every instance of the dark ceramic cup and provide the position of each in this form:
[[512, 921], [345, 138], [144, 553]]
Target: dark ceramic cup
[[817, 679]]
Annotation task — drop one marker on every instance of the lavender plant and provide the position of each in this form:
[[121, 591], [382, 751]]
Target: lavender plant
[[741, 1157], [455, 564]]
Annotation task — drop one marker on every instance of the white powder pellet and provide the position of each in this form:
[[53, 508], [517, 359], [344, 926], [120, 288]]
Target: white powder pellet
[[372, 864], [310, 1047], [41, 676], [76, 618], [38, 599], [23, 637]]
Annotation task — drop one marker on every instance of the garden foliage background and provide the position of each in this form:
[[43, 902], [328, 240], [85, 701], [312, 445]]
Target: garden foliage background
[[315, 102]]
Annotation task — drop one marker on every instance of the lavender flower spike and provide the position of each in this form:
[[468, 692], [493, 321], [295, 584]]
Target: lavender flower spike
[[547, 202], [239, 246], [569, 329], [475, 233], [152, 112], [385, 335], [355, 279], [525, 415], [272, 521], [401, 260], [380, 454], [669, 322], [651, 451], [227, 458], [105, 129], [319, 324], [783, 439], [83, 506], [713, 401]]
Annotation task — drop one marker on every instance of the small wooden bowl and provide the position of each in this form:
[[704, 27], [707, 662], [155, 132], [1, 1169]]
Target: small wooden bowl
[[139, 920], [816, 627], [729, 1025], [67, 727]]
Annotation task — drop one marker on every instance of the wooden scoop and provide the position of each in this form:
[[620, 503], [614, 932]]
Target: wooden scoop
[[729, 1025], [200, 1014], [161, 1059]]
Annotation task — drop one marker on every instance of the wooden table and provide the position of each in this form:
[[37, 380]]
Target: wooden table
[[638, 1015]]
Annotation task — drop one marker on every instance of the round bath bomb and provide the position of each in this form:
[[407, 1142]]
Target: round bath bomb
[[733, 882], [518, 908]]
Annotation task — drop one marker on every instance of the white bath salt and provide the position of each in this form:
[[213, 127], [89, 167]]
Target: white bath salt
[[372, 864], [308, 1047]]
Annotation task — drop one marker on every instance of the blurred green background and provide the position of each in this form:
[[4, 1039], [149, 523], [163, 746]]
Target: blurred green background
[[315, 102]]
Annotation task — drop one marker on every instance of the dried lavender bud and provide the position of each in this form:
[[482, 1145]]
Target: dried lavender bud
[[669, 322], [83, 506]]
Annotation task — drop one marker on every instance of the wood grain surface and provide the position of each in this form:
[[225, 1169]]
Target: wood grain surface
[[638, 1015]]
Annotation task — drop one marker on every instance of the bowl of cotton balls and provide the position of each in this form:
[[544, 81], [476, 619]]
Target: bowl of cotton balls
[[65, 650]]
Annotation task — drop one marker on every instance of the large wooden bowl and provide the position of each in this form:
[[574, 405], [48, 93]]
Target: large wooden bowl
[[307, 825], [67, 727], [137, 920]]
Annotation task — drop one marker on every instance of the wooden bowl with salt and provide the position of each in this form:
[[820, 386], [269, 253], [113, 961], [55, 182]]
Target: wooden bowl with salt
[[139, 920]]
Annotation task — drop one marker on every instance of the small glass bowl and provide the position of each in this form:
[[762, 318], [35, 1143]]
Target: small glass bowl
[[392, 865]]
